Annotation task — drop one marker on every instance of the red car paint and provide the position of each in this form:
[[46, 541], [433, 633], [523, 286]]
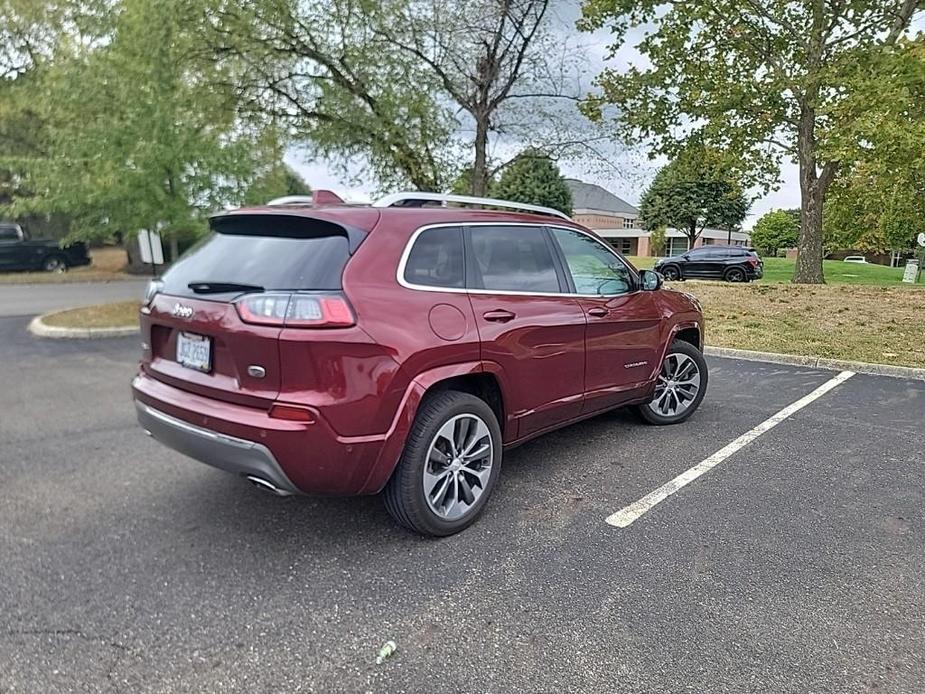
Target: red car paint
[[559, 359]]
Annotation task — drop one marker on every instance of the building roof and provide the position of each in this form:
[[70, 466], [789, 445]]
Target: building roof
[[588, 196]]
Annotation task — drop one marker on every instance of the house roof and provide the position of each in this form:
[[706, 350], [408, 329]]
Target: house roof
[[588, 196]]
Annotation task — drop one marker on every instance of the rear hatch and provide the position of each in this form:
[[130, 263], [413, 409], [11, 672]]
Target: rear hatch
[[249, 265]]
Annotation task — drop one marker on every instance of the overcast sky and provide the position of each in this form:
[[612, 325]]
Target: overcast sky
[[631, 172]]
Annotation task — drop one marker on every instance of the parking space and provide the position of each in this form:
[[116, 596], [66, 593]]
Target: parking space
[[795, 565]]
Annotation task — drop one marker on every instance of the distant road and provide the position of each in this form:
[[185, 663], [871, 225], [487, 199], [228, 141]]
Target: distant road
[[31, 299]]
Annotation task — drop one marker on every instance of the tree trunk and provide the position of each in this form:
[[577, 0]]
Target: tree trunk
[[480, 167], [808, 268], [174, 248], [691, 236]]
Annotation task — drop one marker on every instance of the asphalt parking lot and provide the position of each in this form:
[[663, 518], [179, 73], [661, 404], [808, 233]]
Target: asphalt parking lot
[[797, 564]]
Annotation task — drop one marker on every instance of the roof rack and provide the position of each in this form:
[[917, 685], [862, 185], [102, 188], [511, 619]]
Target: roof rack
[[417, 199]]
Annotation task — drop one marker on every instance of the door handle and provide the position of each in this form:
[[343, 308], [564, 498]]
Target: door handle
[[499, 315], [598, 312]]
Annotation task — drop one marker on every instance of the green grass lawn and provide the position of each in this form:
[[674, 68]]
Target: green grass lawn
[[778, 270]]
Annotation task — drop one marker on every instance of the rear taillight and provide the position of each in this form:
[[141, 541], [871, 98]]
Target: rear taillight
[[152, 290], [752, 261], [296, 310]]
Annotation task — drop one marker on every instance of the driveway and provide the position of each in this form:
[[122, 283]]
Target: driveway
[[796, 564], [31, 299]]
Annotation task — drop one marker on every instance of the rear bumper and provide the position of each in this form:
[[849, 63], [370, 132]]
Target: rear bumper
[[296, 457], [756, 273], [225, 452]]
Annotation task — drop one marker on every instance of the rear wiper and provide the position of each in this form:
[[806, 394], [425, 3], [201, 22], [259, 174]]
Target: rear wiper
[[222, 287]]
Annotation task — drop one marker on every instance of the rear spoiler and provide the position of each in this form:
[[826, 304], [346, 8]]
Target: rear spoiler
[[290, 223]]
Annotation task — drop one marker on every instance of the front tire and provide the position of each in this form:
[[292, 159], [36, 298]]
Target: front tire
[[449, 466], [54, 263], [671, 273], [680, 386]]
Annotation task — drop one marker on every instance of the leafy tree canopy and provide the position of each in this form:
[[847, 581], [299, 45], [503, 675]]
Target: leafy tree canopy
[[693, 192], [878, 203], [276, 182], [138, 131], [776, 229], [534, 178], [764, 80]]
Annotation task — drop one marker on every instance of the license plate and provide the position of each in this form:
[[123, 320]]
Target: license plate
[[194, 351]]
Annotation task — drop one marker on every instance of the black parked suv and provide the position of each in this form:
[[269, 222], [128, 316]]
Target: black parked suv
[[730, 263], [18, 251]]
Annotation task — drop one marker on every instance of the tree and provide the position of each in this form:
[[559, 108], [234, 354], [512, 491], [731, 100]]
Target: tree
[[534, 178], [339, 87], [762, 80], [463, 183], [486, 55], [776, 229], [278, 181], [873, 212], [139, 133], [658, 241], [416, 89], [694, 192], [878, 203]]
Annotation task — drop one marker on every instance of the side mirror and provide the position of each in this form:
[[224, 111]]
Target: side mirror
[[650, 280], [686, 256]]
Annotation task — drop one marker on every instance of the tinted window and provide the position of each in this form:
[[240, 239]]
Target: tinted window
[[9, 234], [715, 253], [738, 253], [269, 252], [514, 259], [595, 270], [436, 259]]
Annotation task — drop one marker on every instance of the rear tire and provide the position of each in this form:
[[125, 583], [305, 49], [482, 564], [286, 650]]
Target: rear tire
[[735, 274], [680, 387], [449, 466]]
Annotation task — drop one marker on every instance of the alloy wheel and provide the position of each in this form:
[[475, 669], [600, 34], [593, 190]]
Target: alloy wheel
[[677, 385], [458, 466]]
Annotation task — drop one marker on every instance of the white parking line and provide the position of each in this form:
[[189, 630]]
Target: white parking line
[[625, 516]]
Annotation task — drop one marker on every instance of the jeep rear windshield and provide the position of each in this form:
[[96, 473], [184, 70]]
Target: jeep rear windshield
[[269, 252]]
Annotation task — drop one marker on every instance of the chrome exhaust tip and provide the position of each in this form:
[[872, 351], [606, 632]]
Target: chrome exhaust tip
[[266, 485]]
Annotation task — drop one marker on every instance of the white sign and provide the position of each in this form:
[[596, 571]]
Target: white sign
[[912, 271], [149, 242], [921, 239]]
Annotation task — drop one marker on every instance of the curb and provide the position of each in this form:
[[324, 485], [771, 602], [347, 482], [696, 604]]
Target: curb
[[818, 363], [38, 328]]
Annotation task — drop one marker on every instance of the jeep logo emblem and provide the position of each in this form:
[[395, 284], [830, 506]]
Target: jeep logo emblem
[[181, 311]]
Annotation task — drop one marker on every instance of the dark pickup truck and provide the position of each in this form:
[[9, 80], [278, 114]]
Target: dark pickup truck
[[20, 252]]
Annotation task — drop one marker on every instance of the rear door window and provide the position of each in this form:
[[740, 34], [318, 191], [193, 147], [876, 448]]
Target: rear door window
[[271, 252], [513, 259], [436, 259]]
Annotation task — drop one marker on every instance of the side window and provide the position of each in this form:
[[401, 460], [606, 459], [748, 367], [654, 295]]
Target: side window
[[8, 234], [595, 270], [436, 259], [514, 259]]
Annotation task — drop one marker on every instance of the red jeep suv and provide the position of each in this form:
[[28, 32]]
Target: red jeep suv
[[317, 347]]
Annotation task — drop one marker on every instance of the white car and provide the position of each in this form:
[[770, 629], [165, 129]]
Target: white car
[[855, 259]]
